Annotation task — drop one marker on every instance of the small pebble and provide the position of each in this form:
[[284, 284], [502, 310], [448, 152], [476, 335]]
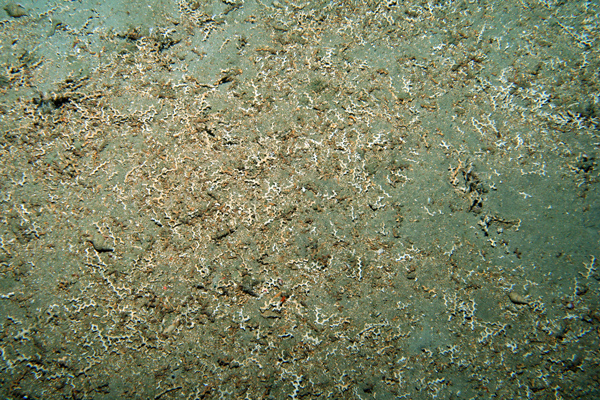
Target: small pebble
[[517, 298], [15, 10]]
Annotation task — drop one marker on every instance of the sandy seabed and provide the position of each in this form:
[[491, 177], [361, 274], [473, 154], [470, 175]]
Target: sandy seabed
[[319, 199]]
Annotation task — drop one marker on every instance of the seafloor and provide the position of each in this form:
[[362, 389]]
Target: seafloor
[[280, 199]]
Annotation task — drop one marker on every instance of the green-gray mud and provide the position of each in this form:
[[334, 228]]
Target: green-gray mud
[[318, 199]]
